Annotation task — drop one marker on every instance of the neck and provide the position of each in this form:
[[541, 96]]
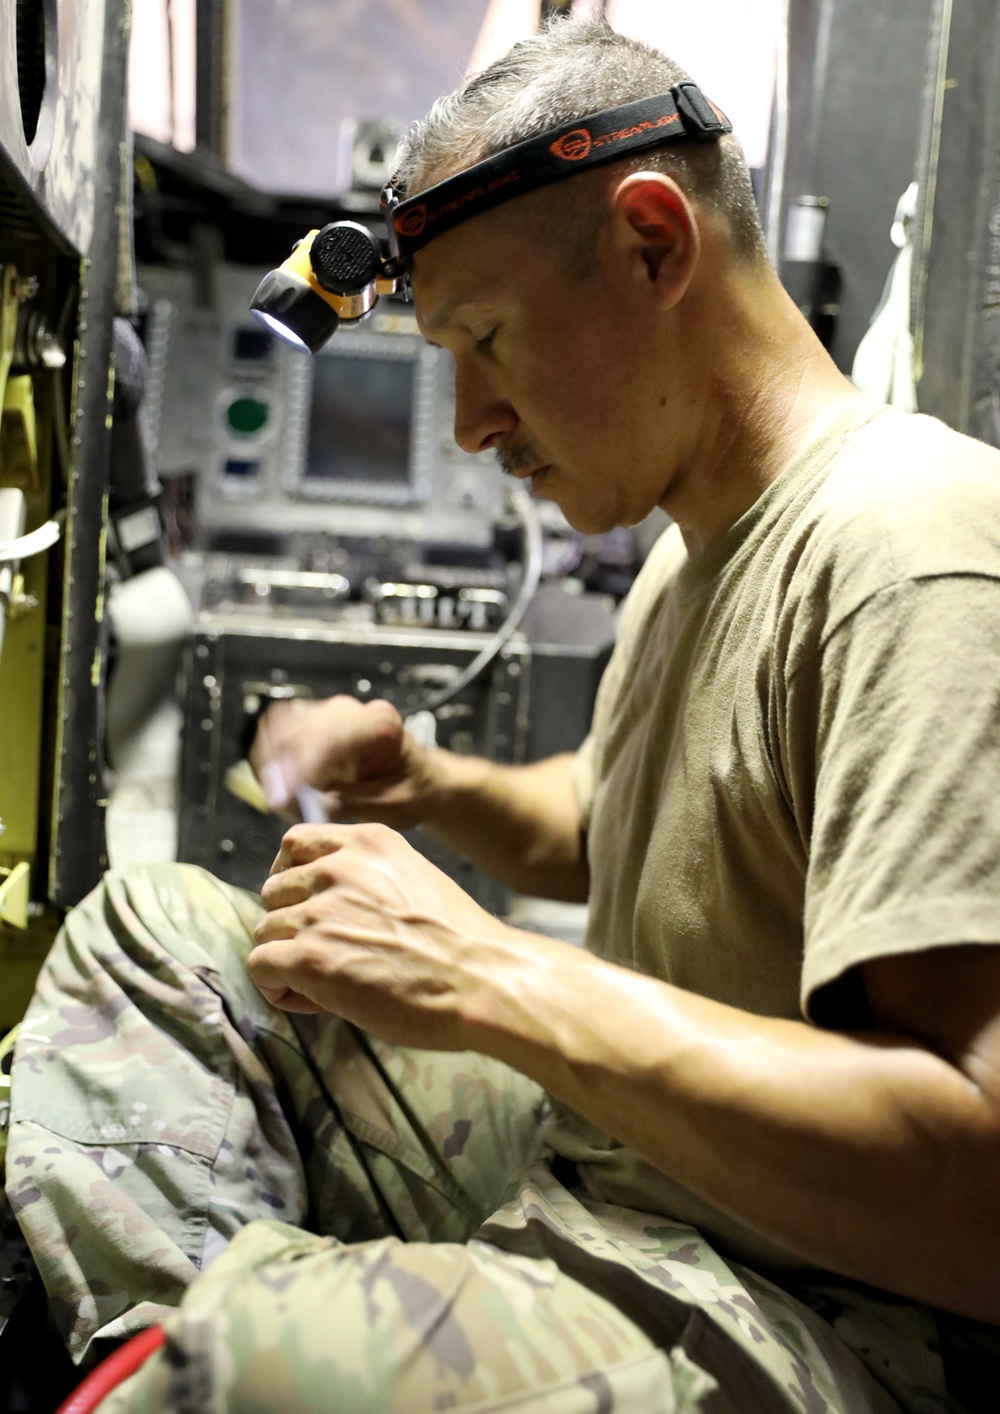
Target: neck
[[759, 392]]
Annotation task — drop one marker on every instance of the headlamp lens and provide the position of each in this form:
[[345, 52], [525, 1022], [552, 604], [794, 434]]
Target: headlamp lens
[[291, 309], [283, 332]]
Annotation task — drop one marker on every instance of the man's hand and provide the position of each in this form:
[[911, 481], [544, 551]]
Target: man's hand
[[360, 924], [358, 753], [521, 824]]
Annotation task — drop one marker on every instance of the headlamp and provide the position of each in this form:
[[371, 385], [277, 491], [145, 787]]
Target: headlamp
[[338, 273], [333, 274]]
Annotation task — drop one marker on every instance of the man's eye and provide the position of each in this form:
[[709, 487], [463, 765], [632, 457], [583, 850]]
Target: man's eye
[[484, 344]]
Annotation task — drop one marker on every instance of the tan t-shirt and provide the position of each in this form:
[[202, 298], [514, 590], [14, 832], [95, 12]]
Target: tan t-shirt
[[794, 764]]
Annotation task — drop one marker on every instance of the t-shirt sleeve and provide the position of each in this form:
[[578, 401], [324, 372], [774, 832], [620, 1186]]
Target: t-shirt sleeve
[[895, 777]]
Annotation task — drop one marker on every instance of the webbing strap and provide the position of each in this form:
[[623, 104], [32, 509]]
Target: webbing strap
[[683, 114]]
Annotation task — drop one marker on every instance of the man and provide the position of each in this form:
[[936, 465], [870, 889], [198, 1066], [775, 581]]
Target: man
[[741, 1153]]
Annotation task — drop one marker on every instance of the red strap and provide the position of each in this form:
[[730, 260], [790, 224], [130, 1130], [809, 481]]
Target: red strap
[[113, 1371]]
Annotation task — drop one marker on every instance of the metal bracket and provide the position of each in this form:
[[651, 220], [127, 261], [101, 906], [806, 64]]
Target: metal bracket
[[14, 889]]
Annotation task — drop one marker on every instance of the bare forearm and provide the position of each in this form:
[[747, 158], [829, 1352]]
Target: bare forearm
[[866, 1154], [519, 823]]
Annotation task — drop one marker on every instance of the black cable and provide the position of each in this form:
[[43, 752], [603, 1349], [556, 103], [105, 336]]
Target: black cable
[[387, 1213]]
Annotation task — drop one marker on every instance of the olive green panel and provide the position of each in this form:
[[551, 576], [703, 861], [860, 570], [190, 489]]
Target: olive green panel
[[26, 927], [25, 463], [22, 666], [22, 953]]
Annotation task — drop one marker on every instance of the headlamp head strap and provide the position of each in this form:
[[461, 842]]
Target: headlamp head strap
[[682, 114]]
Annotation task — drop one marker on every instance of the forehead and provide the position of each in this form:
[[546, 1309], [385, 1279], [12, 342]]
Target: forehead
[[484, 261], [451, 273]]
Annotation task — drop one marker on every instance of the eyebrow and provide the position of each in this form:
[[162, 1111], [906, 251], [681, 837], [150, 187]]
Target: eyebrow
[[446, 313], [474, 295]]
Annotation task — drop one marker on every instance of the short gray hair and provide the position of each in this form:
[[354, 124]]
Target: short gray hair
[[563, 73]]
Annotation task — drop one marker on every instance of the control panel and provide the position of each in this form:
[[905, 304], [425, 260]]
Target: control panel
[[356, 442]]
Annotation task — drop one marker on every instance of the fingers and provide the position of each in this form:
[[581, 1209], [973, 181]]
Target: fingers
[[288, 1000], [325, 745], [384, 740], [296, 885], [277, 777], [271, 754], [313, 861], [304, 843], [343, 740], [279, 923], [288, 970], [297, 900]]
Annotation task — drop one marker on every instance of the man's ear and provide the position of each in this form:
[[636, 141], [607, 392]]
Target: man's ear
[[654, 225]]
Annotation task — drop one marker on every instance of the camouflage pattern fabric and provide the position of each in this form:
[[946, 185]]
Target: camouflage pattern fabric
[[322, 1221]]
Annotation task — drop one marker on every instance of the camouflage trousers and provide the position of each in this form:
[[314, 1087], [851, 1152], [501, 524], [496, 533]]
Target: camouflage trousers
[[324, 1222]]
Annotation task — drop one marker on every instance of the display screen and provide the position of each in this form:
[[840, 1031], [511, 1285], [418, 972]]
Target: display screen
[[252, 345], [359, 423]]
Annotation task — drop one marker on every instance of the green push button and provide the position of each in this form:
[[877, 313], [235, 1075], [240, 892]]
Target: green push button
[[247, 415]]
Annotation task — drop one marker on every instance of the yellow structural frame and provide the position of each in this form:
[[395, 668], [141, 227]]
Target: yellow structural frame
[[26, 929]]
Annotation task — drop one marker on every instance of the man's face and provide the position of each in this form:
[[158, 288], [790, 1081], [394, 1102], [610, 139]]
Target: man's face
[[549, 371]]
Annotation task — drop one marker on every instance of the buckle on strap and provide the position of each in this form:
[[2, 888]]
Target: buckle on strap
[[700, 118]]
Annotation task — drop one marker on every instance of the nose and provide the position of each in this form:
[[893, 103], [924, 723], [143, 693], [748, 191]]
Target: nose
[[482, 417]]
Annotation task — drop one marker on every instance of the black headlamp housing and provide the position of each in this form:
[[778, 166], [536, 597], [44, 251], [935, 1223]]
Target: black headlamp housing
[[287, 306], [332, 274], [345, 268]]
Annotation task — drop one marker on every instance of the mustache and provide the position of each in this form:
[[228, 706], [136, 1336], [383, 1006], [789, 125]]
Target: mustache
[[515, 459]]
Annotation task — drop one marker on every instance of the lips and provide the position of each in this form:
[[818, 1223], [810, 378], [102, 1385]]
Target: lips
[[531, 472]]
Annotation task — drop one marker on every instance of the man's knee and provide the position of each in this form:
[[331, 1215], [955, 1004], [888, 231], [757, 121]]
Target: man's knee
[[301, 1323], [150, 910], [131, 1085], [150, 943]]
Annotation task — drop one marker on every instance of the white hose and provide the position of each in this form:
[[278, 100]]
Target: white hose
[[779, 137], [524, 509], [31, 544]]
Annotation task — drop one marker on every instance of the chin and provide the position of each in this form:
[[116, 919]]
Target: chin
[[581, 518], [587, 522], [584, 523]]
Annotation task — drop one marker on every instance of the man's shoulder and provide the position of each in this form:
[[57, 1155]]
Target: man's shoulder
[[918, 466], [904, 499]]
